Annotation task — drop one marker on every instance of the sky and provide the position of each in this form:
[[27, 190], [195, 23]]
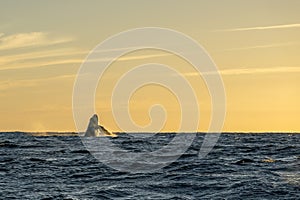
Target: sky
[[255, 45]]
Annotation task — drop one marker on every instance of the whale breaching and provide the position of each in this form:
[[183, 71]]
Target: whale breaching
[[95, 130]]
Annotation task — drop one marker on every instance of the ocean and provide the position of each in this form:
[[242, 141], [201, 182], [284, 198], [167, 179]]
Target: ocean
[[240, 166]]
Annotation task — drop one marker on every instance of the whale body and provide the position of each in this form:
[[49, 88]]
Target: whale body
[[95, 130]]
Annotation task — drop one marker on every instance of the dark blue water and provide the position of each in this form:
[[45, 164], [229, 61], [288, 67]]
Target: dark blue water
[[241, 166]]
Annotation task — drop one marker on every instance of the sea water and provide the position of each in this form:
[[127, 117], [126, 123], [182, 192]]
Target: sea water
[[240, 166]]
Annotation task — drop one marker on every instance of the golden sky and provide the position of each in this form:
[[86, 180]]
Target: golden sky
[[255, 45]]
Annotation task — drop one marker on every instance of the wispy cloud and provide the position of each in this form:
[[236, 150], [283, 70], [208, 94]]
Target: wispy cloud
[[60, 61], [41, 63], [241, 71], [4, 60], [264, 46], [21, 40], [282, 26], [260, 70], [8, 84], [127, 58]]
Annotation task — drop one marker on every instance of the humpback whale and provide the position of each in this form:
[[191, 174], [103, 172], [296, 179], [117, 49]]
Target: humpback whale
[[95, 130]]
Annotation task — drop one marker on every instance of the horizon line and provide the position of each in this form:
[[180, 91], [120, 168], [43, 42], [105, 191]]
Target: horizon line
[[164, 132]]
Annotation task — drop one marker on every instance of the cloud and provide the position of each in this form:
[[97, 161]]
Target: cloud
[[264, 46], [283, 26], [7, 85], [35, 58], [127, 58], [4, 60], [260, 70], [31, 39], [60, 61], [42, 64], [254, 71]]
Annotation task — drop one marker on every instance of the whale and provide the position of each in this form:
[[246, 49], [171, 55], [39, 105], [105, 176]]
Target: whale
[[96, 130]]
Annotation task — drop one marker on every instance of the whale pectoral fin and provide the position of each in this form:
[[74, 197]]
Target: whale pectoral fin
[[103, 130]]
